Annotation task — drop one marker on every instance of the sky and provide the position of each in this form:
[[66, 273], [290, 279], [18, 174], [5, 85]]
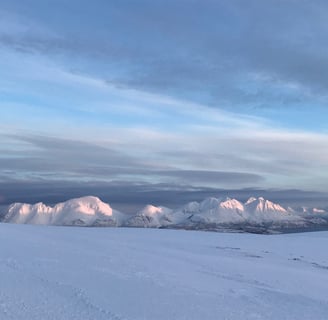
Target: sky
[[163, 101]]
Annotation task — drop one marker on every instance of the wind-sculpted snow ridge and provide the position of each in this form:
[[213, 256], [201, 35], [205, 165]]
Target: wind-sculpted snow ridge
[[210, 214]]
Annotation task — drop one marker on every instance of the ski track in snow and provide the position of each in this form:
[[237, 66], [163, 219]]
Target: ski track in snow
[[120, 274]]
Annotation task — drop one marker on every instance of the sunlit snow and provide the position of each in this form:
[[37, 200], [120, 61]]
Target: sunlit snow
[[127, 273]]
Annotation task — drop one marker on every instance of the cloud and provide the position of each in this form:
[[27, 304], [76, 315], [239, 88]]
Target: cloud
[[42, 89], [211, 52], [144, 93], [216, 159], [82, 161], [130, 196], [201, 176]]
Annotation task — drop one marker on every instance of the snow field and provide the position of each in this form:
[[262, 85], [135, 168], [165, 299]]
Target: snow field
[[125, 273]]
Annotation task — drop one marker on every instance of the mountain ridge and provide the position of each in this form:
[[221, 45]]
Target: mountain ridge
[[207, 214]]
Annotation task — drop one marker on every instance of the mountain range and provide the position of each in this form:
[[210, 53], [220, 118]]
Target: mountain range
[[256, 214]]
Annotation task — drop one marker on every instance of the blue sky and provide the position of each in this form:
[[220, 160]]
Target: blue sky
[[196, 95]]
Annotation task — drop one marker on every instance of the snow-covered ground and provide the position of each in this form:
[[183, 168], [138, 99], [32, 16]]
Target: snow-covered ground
[[125, 273]]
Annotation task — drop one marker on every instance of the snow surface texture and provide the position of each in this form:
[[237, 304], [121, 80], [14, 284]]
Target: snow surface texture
[[65, 273], [210, 214]]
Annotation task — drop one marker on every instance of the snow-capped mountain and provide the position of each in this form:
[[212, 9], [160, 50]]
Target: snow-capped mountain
[[231, 212], [211, 210], [150, 217], [265, 211], [310, 211], [86, 211], [261, 205], [210, 213]]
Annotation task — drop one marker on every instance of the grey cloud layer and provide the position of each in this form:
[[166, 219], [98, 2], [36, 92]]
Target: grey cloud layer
[[232, 54], [128, 196], [257, 54], [42, 168], [205, 161], [45, 157]]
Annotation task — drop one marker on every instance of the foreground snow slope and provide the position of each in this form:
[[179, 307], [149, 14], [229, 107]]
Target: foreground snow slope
[[125, 273]]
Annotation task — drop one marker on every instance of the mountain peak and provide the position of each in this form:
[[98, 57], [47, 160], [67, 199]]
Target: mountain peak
[[209, 203], [232, 204], [250, 200], [262, 205], [191, 207], [151, 210], [89, 205], [85, 199]]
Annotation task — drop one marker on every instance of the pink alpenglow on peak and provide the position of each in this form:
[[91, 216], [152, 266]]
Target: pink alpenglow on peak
[[91, 211], [85, 211]]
